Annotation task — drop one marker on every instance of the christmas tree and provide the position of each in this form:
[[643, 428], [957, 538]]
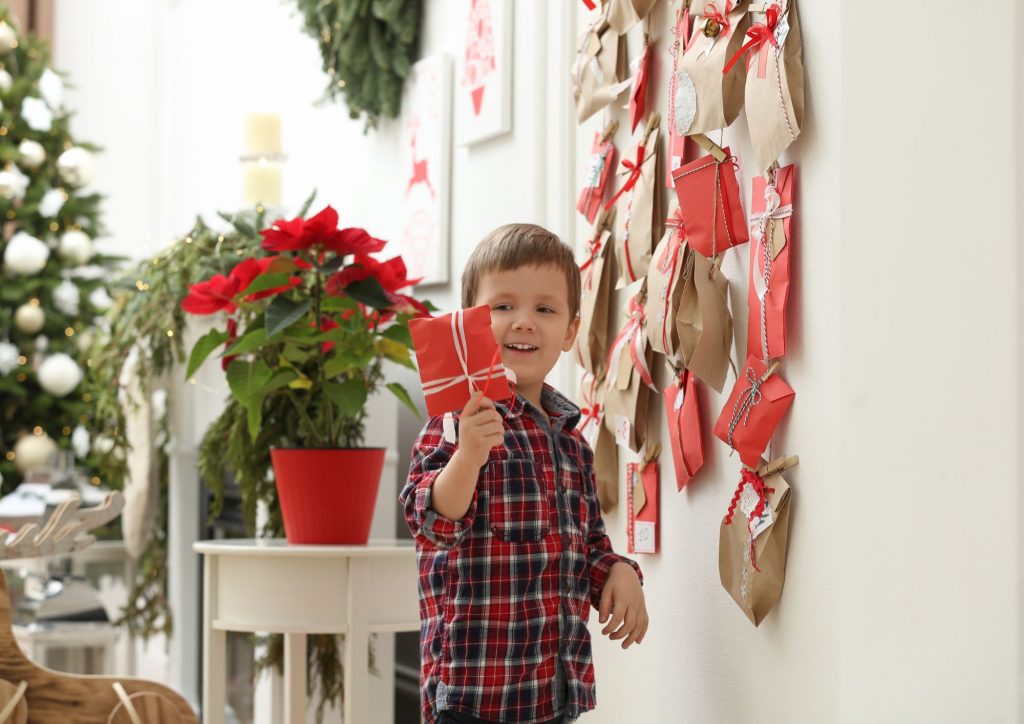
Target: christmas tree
[[51, 280]]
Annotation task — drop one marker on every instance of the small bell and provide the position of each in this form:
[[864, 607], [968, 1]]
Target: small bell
[[712, 28]]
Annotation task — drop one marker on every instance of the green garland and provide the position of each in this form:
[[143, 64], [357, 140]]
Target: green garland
[[368, 48]]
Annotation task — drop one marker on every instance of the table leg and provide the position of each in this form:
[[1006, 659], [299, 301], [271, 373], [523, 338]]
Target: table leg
[[295, 678], [357, 670], [214, 650]]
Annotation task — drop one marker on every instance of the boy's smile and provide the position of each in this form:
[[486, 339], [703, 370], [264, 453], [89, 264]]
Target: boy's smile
[[530, 318]]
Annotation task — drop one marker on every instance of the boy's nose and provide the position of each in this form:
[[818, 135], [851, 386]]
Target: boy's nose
[[523, 322]]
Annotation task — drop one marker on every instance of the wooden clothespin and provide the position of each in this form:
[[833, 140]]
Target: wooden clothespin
[[653, 121], [770, 371], [710, 146], [651, 453], [778, 465], [609, 131]]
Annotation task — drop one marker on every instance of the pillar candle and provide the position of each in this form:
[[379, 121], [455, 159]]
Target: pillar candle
[[262, 134]]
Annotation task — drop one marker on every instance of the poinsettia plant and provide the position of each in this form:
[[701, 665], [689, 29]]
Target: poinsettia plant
[[310, 318]]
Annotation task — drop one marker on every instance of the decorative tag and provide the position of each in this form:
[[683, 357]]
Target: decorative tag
[[596, 167], [782, 29], [643, 537], [763, 523], [637, 493], [591, 429], [623, 430], [448, 425], [685, 101]]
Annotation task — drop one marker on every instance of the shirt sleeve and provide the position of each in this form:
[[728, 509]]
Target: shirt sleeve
[[600, 555], [430, 453]]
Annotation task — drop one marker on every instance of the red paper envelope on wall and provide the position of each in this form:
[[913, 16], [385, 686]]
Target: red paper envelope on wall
[[642, 511], [709, 200], [457, 355], [599, 173], [682, 415], [771, 243], [758, 402]]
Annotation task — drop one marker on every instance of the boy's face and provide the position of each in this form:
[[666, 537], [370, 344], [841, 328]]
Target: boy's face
[[531, 322]]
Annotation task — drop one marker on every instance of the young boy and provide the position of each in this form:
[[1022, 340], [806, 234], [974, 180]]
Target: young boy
[[511, 545]]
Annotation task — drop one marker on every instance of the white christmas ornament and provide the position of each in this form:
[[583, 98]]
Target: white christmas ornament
[[6, 81], [13, 183], [52, 202], [25, 254], [67, 297], [51, 87], [75, 246], [8, 357], [103, 444], [83, 340], [100, 299], [76, 166], [37, 114], [42, 342], [80, 442], [33, 451], [29, 318], [59, 374], [8, 38], [32, 153]]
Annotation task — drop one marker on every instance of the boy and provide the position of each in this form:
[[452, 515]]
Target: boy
[[511, 545]]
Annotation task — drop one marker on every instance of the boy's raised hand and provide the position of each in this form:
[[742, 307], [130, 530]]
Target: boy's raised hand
[[480, 428], [622, 598]]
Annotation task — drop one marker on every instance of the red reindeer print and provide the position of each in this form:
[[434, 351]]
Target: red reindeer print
[[420, 174]]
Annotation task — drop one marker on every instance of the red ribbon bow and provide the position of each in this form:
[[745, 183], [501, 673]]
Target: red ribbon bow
[[711, 12], [673, 222], [760, 35], [590, 4], [634, 175], [763, 491]]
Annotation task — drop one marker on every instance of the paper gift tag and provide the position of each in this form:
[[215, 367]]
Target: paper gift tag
[[642, 511], [591, 429], [623, 430]]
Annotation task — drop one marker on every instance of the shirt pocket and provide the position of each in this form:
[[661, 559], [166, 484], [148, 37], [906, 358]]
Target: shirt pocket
[[518, 506]]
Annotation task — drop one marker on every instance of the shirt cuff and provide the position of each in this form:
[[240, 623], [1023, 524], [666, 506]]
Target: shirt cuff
[[439, 530], [600, 565]]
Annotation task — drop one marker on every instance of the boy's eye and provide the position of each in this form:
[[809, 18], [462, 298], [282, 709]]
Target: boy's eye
[[502, 306], [547, 309]]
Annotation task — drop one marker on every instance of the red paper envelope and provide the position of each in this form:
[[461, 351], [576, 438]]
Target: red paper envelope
[[709, 198], [457, 353], [682, 414], [599, 174], [638, 94], [753, 411], [771, 241], [642, 511]]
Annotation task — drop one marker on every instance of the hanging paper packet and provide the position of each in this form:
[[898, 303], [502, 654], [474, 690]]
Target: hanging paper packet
[[666, 279], [591, 346], [641, 216], [682, 416], [600, 171], [641, 68], [754, 537], [601, 441], [629, 383], [642, 511], [770, 251], [458, 355], [599, 73], [707, 99], [624, 14], [709, 200], [758, 402], [679, 113], [703, 321]]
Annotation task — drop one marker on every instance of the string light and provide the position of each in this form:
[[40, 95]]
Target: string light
[[37, 430], [69, 332]]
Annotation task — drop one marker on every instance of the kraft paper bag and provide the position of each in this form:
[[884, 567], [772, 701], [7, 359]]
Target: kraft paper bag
[[774, 91], [707, 99], [629, 383], [752, 548], [595, 298], [704, 323], [601, 441], [640, 215], [665, 282], [624, 14], [599, 74], [599, 175], [770, 250]]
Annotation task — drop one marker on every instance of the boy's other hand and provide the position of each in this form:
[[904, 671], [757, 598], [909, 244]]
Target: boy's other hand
[[622, 599], [480, 429]]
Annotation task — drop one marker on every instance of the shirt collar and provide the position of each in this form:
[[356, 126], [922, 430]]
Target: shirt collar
[[554, 402]]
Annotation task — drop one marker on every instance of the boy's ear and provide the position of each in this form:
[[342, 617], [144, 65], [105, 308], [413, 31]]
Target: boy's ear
[[570, 334]]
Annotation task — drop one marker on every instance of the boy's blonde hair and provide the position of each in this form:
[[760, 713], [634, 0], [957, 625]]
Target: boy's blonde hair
[[517, 245]]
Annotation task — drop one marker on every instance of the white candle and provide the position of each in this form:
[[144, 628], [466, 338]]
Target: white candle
[[262, 183], [262, 134]]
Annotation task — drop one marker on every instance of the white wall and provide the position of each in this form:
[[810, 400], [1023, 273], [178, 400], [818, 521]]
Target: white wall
[[902, 600]]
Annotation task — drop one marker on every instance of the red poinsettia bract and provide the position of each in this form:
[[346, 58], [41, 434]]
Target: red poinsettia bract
[[318, 233]]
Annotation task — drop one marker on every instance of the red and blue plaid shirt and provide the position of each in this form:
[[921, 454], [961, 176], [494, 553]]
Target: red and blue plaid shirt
[[505, 591]]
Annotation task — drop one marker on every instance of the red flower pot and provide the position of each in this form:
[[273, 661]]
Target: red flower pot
[[327, 494]]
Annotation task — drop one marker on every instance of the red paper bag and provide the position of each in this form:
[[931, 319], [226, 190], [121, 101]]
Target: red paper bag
[[758, 402], [457, 355], [682, 414], [638, 94], [709, 197], [642, 511], [599, 173], [771, 235]]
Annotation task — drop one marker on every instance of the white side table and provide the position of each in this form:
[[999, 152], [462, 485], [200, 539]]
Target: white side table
[[273, 587]]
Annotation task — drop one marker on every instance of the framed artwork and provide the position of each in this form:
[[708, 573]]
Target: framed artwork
[[484, 91], [426, 169]]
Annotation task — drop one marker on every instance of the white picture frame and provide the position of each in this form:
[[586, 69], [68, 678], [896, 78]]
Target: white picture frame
[[483, 93], [425, 138]]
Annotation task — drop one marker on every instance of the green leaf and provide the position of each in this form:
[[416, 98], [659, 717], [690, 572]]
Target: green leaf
[[306, 204], [338, 304], [401, 393], [254, 416], [280, 379], [394, 351], [253, 339], [282, 313], [247, 380], [349, 396], [267, 281], [203, 348], [399, 333], [370, 292]]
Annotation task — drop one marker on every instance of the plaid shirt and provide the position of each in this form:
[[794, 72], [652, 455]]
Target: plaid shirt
[[505, 592]]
